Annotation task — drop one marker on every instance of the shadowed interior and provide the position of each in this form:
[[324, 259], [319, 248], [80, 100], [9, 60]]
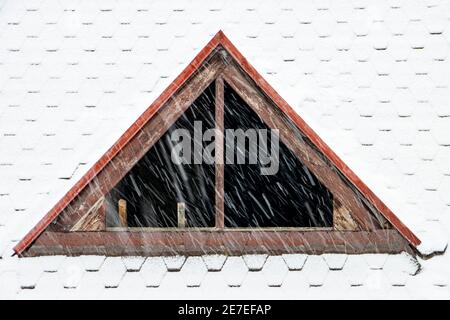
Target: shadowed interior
[[293, 197]]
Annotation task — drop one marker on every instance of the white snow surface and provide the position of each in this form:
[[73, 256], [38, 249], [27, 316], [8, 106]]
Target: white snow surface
[[370, 77]]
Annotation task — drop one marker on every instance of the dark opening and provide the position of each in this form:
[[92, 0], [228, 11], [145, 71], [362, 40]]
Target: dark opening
[[293, 197], [156, 184]]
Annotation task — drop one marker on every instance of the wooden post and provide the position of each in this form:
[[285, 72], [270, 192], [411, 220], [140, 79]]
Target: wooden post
[[219, 151], [122, 208], [181, 213]]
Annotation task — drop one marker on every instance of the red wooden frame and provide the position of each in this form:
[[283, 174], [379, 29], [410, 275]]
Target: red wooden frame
[[222, 40]]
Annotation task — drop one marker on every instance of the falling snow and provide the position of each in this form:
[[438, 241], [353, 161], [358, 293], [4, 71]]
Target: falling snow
[[372, 81]]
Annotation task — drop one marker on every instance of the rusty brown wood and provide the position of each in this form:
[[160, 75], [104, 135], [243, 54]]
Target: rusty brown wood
[[342, 218], [293, 139], [94, 219], [220, 241], [219, 151]]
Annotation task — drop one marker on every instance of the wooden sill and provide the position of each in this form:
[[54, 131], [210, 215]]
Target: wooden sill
[[214, 229], [214, 241]]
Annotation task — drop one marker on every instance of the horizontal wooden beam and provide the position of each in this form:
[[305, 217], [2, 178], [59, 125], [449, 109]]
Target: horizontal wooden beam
[[220, 241]]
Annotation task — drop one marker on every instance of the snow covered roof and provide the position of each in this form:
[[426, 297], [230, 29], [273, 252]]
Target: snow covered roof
[[371, 77]]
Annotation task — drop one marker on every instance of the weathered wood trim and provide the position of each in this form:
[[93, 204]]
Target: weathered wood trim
[[154, 129], [122, 210], [91, 188], [94, 219], [342, 218], [223, 242], [318, 143], [219, 153]]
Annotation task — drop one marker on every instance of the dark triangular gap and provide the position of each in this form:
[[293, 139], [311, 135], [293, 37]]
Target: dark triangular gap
[[293, 197], [155, 184]]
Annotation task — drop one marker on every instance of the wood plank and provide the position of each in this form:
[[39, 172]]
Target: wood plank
[[221, 241], [181, 214], [193, 67], [131, 153], [219, 154]]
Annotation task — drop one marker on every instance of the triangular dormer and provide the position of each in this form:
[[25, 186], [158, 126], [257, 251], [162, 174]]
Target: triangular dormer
[[282, 190]]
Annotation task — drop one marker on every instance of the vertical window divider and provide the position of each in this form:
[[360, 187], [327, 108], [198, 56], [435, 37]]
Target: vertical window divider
[[219, 152]]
